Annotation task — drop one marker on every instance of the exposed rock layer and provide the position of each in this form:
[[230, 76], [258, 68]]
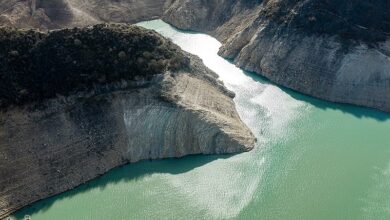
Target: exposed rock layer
[[50, 14], [61, 142], [334, 50]]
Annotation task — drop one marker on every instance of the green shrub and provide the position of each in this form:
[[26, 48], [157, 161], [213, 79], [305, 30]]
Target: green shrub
[[35, 66]]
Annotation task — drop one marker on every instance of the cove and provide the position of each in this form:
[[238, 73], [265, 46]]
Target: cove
[[313, 160]]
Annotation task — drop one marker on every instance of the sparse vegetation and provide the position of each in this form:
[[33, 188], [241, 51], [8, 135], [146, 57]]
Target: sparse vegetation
[[366, 21], [35, 66]]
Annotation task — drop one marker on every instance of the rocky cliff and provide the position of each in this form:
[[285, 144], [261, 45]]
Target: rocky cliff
[[334, 50], [70, 121], [52, 14]]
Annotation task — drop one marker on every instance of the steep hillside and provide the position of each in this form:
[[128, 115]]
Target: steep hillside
[[36, 65], [79, 102], [52, 14], [334, 50]]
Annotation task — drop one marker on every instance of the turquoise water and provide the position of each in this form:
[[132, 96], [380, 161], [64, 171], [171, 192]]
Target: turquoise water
[[313, 160]]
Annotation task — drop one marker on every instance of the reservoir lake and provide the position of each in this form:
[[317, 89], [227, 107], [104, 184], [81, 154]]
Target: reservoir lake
[[313, 160]]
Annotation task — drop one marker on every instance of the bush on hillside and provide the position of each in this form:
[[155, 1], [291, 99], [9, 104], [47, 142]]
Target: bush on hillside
[[35, 66]]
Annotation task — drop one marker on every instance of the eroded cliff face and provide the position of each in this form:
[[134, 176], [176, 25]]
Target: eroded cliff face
[[334, 50], [52, 14], [55, 143]]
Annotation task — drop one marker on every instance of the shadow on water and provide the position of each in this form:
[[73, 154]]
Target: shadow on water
[[126, 173], [357, 111]]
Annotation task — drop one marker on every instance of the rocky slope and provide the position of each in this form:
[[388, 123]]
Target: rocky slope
[[51, 14], [334, 50], [56, 134]]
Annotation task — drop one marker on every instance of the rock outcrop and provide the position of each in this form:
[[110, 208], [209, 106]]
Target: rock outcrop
[[53, 14], [334, 50], [337, 51], [50, 143]]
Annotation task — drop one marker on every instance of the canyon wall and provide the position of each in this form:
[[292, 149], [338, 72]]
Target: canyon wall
[[333, 50], [48, 151], [336, 51], [51, 143], [54, 14]]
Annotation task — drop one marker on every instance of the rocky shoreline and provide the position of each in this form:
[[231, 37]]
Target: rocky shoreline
[[333, 51], [56, 139], [336, 51], [53, 142]]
